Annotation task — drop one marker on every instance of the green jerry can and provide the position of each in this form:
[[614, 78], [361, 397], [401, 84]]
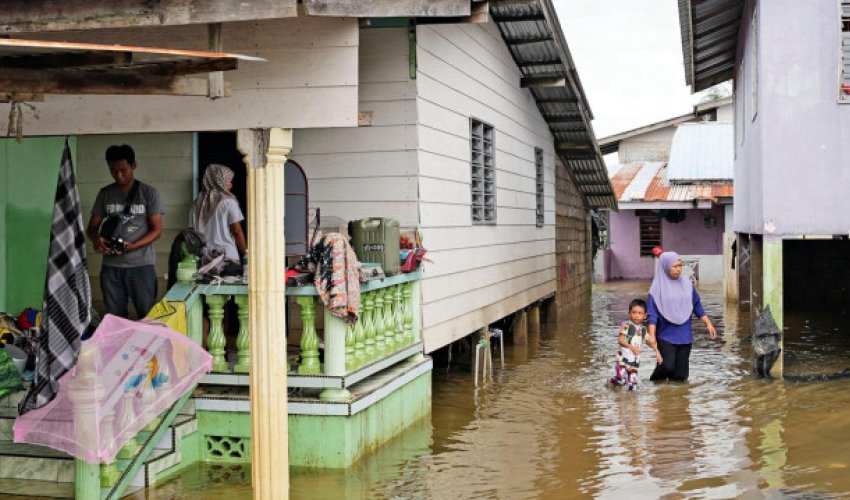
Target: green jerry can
[[376, 240]]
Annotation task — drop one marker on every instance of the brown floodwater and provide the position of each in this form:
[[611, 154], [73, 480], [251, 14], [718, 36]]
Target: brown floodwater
[[548, 427]]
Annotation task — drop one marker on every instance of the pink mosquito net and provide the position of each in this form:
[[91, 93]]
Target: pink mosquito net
[[128, 373]]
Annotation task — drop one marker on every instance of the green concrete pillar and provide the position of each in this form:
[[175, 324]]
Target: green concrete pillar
[[309, 339], [243, 343], [369, 326], [215, 339], [772, 290]]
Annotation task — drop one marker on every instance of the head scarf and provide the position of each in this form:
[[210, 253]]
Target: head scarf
[[213, 191], [674, 298]]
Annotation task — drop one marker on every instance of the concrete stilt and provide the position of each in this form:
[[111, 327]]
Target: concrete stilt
[[551, 310], [534, 318], [730, 276], [520, 328], [756, 281], [772, 287]]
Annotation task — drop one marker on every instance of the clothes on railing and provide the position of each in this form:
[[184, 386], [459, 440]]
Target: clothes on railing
[[337, 274]]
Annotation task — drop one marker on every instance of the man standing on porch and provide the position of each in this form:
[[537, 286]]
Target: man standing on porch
[[136, 212]]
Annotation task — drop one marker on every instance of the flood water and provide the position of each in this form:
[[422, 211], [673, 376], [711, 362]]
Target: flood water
[[548, 427]]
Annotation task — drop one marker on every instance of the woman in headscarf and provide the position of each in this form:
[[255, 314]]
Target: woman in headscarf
[[671, 303], [217, 213]]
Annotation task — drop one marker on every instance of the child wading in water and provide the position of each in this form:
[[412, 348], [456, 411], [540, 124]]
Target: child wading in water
[[633, 333]]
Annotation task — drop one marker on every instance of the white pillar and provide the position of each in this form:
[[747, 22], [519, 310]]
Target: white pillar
[[265, 155]]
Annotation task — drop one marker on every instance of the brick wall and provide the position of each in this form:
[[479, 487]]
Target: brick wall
[[573, 251]]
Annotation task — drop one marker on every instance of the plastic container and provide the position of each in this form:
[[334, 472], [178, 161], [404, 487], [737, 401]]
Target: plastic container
[[376, 240], [19, 357]]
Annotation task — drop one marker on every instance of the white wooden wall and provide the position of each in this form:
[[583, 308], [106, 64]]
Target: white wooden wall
[[369, 171], [480, 273], [165, 162], [309, 80]]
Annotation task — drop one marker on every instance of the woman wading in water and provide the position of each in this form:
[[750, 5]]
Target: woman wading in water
[[671, 302]]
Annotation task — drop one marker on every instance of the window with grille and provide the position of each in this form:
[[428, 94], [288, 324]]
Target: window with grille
[[845, 50], [650, 234], [538, 175], [483, 173]]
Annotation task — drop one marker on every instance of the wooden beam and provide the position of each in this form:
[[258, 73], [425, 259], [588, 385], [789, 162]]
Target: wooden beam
[[178, 68], [103, 83], [388, 8], [216, 44], [542, 81], [20, 16], [70, 60]]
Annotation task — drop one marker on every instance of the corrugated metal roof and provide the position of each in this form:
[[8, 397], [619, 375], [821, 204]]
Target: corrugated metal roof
[[702, 152], [709, 30], [648, 182], [535, 39]]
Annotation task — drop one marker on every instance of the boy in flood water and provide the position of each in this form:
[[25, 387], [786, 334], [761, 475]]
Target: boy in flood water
[[633, 333]]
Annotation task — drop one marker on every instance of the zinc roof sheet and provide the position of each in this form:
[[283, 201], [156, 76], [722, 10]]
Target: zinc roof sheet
[[702, 152]]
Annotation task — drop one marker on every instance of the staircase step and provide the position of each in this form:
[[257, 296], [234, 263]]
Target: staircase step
[[26, 461], [28, 488]]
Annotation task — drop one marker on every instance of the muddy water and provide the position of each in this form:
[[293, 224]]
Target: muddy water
[[549, 428]]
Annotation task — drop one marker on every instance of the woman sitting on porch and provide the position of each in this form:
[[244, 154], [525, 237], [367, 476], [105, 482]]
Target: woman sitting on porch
[[218, 217], [217, 213]]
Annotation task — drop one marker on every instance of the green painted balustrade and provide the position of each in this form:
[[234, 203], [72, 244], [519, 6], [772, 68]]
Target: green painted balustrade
[[389, 321]]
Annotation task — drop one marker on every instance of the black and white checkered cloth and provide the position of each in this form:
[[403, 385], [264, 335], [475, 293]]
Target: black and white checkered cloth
[[66, 310]]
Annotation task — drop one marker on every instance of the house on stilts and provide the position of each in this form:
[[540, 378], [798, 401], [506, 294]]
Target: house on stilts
[[790, 62], [464, 119]]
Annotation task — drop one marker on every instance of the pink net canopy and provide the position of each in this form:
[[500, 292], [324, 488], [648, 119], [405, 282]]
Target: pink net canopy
[[128, 373]]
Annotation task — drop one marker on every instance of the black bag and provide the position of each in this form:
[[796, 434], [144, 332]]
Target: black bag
[[110, 227]]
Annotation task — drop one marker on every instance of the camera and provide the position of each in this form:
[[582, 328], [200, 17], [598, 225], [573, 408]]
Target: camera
[[116, 245]]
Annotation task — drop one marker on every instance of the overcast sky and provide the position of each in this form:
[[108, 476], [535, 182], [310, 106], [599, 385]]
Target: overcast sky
[[629, 57]]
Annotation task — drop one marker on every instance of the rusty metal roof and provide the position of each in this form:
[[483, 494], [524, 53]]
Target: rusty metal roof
[[709, 30], [45, 67], [648, 182], [534, 37]]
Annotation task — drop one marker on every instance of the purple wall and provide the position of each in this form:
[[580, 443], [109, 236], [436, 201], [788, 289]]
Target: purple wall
[[792, 172], [689, 237]]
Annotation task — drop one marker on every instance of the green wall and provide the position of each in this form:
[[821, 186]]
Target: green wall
[[28, 175]]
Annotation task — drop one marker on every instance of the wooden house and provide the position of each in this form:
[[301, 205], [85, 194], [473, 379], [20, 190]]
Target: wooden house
[[464, 119]]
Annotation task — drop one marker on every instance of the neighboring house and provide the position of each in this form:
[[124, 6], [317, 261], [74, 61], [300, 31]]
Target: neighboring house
[[652, 142], [680, 205], [789, 60], [644, 152], [474, 128]]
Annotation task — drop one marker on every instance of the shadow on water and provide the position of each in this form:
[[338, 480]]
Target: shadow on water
[[548, 427]]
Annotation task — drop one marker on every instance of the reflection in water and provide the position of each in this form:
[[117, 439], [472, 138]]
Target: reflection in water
[[548, 427]]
